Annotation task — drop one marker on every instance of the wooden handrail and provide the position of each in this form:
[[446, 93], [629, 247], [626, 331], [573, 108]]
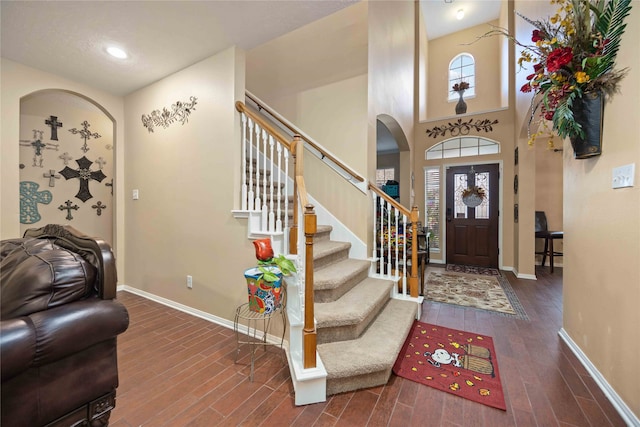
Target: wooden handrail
[[263, 123], [413, 218], [393, 203], [306, 139]]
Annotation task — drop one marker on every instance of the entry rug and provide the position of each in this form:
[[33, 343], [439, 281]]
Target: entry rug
[[480, 291], [472, 269], [456, 362]]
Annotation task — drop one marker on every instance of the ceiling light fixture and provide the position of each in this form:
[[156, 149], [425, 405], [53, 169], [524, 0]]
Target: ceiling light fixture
[[460, 14], [116, 52]]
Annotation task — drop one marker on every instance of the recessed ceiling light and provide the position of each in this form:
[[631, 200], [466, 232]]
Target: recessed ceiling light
[[116, 52], [460, 14]]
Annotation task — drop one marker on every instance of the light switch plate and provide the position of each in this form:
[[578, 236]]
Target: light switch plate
[[623, 176], [136, 195]]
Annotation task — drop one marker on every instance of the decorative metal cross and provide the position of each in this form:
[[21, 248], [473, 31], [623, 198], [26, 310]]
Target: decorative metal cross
[[65, 157], [110, 184], [68, 208], [29, 199], [52, 177], [38, 145], [84, 174], [85, 134], [101, 162], [98, 207], [55, 124]]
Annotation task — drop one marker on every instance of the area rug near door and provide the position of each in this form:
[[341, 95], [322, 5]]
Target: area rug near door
[[456, 362], [480, 291]]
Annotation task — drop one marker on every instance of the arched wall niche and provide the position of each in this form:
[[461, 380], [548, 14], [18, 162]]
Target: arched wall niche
[[77, 140]]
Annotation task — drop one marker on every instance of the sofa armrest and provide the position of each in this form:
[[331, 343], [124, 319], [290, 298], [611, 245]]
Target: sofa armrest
[[73, 327], [17, 346]]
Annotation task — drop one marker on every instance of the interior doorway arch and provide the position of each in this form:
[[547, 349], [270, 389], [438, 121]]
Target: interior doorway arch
[[67, 163], [392, 149]]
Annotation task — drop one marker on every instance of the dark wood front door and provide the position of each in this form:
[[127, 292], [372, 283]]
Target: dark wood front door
[[472, 232]]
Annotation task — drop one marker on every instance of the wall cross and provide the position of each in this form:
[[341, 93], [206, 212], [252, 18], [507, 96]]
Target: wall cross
[[85, 134], [55, 124], [68, 208], [52, 177], [84, 174]]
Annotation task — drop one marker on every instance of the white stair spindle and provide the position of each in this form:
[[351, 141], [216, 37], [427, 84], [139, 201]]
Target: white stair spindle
[[250, 193], [272, 219], [279, 190], [264, 182], [243, 198], [396, 249], [388, 205], [286, 190], [404, 254]]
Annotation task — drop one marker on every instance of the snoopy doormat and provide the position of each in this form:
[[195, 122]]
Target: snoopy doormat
[[460, 363]]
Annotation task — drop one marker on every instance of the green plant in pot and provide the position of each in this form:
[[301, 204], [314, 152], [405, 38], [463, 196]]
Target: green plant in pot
[[264, 282]]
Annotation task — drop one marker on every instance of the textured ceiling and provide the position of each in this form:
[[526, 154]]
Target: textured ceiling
[[69, 38]]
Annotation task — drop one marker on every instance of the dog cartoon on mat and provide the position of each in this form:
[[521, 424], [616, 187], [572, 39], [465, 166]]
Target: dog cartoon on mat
[[474, 358]]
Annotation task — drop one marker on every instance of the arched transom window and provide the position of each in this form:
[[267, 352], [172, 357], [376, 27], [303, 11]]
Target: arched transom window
[[463, 146], [462, 68]]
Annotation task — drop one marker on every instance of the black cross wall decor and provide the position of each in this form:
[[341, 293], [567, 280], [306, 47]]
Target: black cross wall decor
[[84, 174], [68, 208], [55, 124]]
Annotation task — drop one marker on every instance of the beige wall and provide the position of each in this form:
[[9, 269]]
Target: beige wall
[[549, 192], [602, 238], [187, 180], [503, 134], [392, 83], [486, 52], [18, 81]]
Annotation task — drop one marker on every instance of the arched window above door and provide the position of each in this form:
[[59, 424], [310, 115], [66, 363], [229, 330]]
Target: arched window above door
[[462, 68], [463, 146]]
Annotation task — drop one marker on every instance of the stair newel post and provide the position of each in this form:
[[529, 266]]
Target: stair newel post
[[413, 280], [296, 145], [310, 228]]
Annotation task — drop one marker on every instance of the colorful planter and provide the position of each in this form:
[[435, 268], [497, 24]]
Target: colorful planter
[[264, 297]]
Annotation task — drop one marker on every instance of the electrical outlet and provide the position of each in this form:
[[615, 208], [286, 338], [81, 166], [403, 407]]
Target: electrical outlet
[[189, 282]]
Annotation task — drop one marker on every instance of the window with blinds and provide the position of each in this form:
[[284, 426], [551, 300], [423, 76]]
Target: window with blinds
[[432, 205]]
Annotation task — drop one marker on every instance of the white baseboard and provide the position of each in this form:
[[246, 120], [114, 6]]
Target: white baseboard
[[198, 313], [625, 412]]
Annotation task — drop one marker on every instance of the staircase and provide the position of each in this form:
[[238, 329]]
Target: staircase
[[360, 328], [361, 320]]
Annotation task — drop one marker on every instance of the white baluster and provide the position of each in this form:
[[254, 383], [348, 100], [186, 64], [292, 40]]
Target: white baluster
[[264, 182], [381, 256], [243, 200], [250, 193], [388, 205], [404, 254], [272, 224], [286, 191], [396, 248], [279, 190]]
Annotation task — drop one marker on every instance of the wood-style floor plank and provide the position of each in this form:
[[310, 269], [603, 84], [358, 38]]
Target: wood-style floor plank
[[178, 370]]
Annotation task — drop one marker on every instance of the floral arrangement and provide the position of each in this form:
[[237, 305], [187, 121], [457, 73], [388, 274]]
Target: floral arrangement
[[573, 52], [460, 86], [475, 190]]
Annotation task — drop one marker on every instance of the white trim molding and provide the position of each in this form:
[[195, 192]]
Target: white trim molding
[[625, 412]]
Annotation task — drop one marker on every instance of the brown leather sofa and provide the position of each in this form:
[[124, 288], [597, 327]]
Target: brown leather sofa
[[58, 329]]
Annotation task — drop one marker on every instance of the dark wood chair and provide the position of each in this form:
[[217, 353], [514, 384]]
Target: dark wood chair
[[542, 232]]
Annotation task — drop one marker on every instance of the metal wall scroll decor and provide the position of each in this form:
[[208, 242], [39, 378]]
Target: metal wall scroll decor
[[180, 112], [459, 127]]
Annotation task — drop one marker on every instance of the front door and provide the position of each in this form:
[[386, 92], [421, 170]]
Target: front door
[[472, 231]]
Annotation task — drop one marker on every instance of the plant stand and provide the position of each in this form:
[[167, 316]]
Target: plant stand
[[254, 336]]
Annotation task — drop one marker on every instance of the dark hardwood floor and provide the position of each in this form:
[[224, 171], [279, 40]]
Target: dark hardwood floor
[[178, 370]]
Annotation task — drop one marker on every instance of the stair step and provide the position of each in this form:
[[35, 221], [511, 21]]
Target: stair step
[[335, 280], [326, 252], [346, 318], [323, 232], [367, 361]]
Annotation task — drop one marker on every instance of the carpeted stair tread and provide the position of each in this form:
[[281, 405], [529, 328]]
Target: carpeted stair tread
[[367, 361], [338, 278], [354, 306], [326, 252]]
